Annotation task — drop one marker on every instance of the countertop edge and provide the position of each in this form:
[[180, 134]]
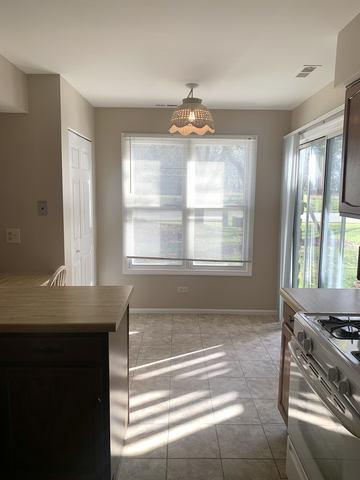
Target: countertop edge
[[78, 327], [317, 301], [291, 300], [126, 304]]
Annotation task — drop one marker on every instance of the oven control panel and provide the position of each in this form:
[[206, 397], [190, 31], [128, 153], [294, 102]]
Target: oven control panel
[[316, 343]]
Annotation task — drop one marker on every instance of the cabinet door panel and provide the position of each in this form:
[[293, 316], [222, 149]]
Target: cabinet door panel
[[288, 316], [350, 195], [284, 376], [352, 178], [56, 423]]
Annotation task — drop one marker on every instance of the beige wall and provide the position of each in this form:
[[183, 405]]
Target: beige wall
[[13, 88], [319, 104], [347, 69], [78, 115], [35, 166], [30, 170], [256, 292], [347, 54]]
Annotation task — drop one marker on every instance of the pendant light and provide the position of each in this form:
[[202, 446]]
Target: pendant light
[[192, 116]]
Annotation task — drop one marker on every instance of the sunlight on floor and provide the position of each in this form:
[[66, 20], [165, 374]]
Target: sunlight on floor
[[213, 402]]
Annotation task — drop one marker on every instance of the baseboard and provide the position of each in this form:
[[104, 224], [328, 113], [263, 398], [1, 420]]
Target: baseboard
[[215, 311]]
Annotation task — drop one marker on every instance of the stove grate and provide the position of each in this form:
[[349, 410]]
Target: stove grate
[[347, 329], [356, 355]]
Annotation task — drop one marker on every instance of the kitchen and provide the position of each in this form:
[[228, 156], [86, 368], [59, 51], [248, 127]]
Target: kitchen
[[178, 306]]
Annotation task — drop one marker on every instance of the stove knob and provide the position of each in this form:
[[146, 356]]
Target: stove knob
[[308, 345], [333, 374], [344, 387], [301, 336]]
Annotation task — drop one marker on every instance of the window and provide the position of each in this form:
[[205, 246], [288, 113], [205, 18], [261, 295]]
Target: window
[[309, 213], [341, 235], [326, 245], [188, 204]]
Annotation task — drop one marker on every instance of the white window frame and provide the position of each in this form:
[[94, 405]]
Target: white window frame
[[326, 129], [188, 268]]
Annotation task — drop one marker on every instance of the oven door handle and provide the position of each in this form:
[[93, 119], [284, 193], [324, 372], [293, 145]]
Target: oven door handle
[[349, 419]]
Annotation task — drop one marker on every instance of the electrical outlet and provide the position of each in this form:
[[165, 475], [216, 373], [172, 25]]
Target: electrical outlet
[[13, 235], [182, 289], [42, 207]]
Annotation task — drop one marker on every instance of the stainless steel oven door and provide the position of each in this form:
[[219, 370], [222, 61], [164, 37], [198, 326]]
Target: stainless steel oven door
[[323, 428]]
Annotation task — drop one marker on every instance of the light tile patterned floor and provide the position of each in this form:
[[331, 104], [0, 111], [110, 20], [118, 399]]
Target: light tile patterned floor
[[203, 399]]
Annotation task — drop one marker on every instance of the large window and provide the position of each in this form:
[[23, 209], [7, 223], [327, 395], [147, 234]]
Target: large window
[[309, 213], [188, 204], [326, 245]]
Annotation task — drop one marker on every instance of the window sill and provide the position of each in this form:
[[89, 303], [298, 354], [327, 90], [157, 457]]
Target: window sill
[[202, 272]]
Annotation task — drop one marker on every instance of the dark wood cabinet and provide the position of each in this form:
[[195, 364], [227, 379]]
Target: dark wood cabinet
[[350, 183], [284, 375], [63, 404], [53, 392], [37, 403]]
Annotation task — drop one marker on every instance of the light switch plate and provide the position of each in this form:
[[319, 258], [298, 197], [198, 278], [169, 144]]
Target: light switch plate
[[13, 235], [42, 208]]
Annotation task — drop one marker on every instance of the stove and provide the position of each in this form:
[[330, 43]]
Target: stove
[[324, 397], [338, 334], [333, 342]]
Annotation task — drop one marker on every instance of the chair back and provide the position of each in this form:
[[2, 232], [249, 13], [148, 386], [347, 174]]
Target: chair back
[[58, 278]]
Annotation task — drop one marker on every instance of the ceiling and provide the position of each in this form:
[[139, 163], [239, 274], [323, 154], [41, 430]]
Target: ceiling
[[244, 54]]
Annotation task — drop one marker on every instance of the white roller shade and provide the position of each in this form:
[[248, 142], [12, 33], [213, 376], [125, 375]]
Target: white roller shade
[[188, 199]]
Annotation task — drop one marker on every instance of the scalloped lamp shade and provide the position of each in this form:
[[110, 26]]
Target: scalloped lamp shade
[[192, 117]]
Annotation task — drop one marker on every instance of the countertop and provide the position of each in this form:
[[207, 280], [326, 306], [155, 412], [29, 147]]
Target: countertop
[[23, 279], [62, 309], [323, 300]]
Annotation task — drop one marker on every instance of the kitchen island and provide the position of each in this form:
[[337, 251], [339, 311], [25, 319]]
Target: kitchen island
[[63, 381]]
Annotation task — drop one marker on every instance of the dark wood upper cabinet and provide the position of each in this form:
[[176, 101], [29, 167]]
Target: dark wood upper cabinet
[[350, 184]]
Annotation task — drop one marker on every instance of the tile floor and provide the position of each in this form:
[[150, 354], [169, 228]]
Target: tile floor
[[203, 399]]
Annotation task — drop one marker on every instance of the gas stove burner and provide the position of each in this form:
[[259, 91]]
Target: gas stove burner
[[349, 331], [342, 328]]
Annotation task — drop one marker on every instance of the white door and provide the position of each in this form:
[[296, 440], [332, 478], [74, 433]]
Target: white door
[[83, 243]]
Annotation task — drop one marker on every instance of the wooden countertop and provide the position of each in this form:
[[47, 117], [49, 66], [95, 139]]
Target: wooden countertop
[[23, 279], [323, 300], [62, 309]]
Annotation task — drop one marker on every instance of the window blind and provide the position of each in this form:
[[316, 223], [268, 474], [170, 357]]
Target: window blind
[[188, 200]]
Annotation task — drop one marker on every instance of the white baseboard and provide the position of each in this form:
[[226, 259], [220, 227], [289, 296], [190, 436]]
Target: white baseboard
[[215, 311]]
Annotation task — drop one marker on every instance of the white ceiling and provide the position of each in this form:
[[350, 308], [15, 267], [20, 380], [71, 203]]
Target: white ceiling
[[244, 54]]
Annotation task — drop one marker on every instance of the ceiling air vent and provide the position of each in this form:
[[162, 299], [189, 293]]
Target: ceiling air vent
[[307, 70]]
